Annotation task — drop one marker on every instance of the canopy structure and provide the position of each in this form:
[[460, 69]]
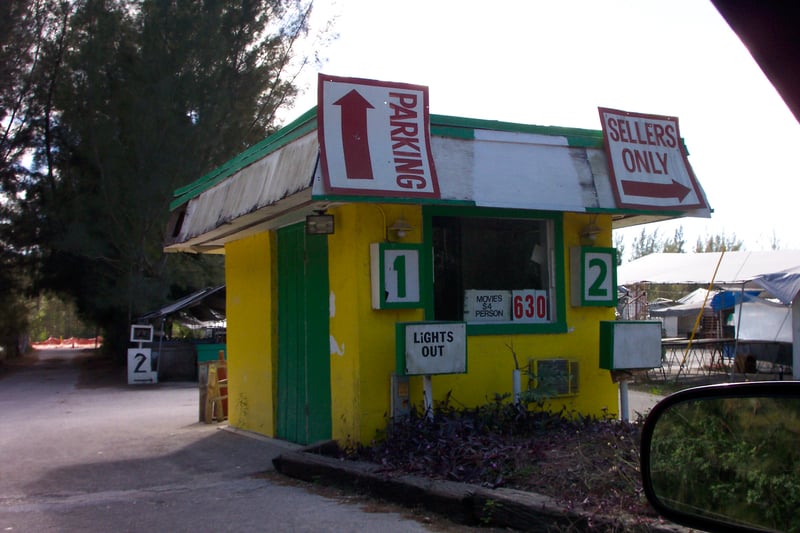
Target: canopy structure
[[783, 285], [478, 162], [689, 305], [699, 268], [776, 272], [201, 308]]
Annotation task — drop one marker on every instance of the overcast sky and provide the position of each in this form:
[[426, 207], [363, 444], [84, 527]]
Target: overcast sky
[[555, 62]]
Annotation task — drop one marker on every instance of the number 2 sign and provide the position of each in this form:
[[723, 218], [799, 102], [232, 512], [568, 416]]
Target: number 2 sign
[[594, 276], [140, 367]]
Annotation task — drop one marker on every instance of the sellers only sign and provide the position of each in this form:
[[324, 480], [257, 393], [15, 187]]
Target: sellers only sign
[[427, 348], [647, 161]]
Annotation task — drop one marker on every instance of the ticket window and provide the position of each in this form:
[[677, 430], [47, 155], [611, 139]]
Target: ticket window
[[494, 270]]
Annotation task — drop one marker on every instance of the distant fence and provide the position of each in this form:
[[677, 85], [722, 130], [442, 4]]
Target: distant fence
[[68, 344]]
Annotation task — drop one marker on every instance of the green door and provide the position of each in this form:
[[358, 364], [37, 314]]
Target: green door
[[304, 386]]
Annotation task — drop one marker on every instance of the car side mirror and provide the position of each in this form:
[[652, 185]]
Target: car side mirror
[[726, 457]]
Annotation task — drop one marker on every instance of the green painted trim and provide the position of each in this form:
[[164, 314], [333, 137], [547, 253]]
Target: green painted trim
[[399, 349], [453, 132], [516, 329], [641, 212], [447, 126], [390, 200], [441, 125], [559, 325], [306, 123]]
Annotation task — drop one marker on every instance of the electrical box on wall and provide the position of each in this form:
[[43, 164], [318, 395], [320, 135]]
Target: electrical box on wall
[[401, 397], [593, 276], [630, 344], [554, 377]]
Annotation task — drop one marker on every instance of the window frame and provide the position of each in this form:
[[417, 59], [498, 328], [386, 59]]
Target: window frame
[[557, 268]]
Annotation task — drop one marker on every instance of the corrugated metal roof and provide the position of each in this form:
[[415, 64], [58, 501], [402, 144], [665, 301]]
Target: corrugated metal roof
[[264, 182], [441, 125], [205, 305], [301, 126], [479, 162]]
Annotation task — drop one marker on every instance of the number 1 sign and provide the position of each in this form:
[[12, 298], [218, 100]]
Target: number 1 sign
[[394, 269], [593, 276]]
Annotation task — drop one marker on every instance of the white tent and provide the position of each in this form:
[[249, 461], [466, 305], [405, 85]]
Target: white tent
[[689, 305], [698, 268], [777, 272], [783, 285]]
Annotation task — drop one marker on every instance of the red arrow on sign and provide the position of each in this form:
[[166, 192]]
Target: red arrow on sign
[[656, 190], [355, 138]]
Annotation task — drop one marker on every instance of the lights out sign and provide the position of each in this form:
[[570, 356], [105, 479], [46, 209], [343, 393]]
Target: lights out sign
[[427, 348]]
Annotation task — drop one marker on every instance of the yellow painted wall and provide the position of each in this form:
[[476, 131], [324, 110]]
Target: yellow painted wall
[[363, 339], [250, 274], [491, 362]]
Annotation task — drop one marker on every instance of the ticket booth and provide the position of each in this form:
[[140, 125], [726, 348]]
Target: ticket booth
[[368, 213]]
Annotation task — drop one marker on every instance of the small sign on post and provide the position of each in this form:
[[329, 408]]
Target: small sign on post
[[427, 348], [140, 360], [629, 345], [140, 367]]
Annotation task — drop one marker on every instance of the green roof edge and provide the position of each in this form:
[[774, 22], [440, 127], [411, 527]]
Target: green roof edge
[[447, 126], [441, 125], [302, 125]]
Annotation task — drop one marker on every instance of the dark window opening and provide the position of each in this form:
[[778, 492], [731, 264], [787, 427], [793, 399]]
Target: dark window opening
[[492, 269]]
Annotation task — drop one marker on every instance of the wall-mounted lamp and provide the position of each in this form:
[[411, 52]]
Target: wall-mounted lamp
[[400, 228], [319, 224], [589, 233]]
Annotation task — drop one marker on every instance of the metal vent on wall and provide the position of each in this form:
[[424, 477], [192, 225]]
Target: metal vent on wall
[[554, 377]]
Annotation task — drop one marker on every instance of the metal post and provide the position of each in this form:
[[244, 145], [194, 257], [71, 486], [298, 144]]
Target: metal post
[[623, 401], [427, 393]]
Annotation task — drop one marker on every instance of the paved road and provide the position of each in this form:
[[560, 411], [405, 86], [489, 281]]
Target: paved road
[[83, 451], [640, 403]]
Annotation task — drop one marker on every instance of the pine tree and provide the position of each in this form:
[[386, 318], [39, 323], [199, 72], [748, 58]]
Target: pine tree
[[133, 99]]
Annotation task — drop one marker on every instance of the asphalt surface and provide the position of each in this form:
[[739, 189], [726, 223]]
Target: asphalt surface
[[640, 403], [83, 451]]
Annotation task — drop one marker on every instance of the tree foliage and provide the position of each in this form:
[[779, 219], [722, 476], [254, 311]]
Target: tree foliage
[[742, 451], [649, 242], [23, 25], [718, 243], [115, 104]]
